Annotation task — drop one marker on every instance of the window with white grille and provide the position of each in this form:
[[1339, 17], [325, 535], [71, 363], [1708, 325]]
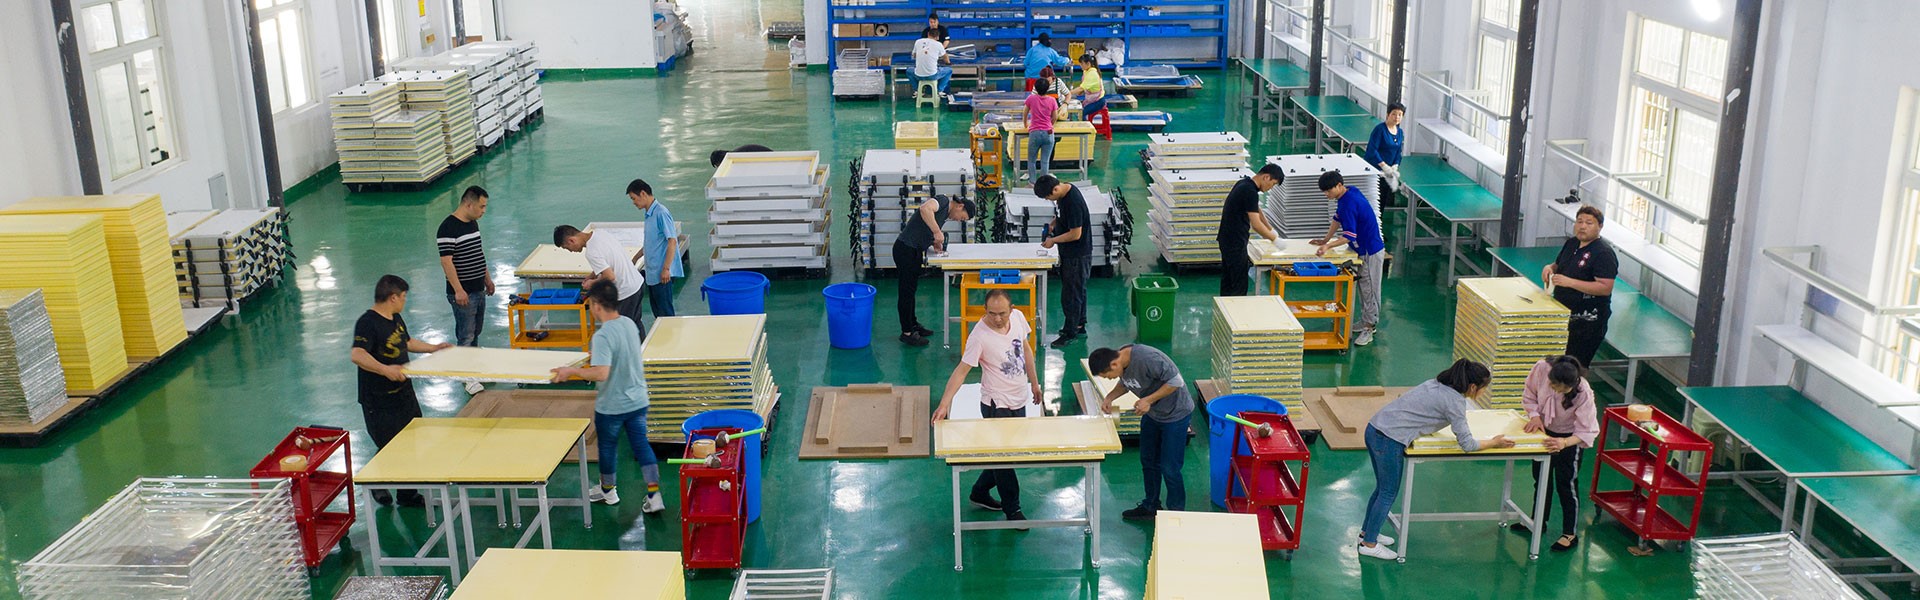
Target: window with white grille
[[283, 41], [1493, 71], [1671, 136], [1900, 343], [125, 62]]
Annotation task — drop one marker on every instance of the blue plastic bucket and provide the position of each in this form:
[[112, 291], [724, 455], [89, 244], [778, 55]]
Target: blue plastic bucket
[[1220, 434], [849, 314], [744, 420], [736, 293]]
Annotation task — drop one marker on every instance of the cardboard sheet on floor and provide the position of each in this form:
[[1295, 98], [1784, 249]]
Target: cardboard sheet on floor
[[874, 420], [1303, 421], [493, 365], [1343, 412], [537, 404]]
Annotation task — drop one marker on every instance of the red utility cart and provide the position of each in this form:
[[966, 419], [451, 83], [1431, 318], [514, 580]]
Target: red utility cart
[[1651, 469], [314, 488], [1271, 480], [713, 508]]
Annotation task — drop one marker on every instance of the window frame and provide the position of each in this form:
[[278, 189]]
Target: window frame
[[1486, 129], [1897, 347], [271, 14], [165, 128], [1653, 221]]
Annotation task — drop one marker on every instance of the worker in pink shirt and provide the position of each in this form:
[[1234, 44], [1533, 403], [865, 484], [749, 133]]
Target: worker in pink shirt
[[1560, 403]]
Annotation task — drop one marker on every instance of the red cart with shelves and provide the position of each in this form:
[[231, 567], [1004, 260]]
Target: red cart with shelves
[[1646, 460], [315, 487], [1270, 480], [713, 508]]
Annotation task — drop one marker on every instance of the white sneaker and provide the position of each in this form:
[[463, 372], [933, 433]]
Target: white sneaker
[[1380, 551], [608, 496], [653, 504], [474, 388], [1382, 539], [1363, 338], [1024, 177]]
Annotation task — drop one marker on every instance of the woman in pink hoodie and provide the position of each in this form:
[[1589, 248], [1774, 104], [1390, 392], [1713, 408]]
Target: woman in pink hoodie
[[1560, 403]]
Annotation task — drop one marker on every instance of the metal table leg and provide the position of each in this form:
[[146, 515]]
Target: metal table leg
[[1406, 509], [1786, 507], [957, 550], [1539, 505], [1093, 511], [946, 308], [1633, 375], [586, 506]]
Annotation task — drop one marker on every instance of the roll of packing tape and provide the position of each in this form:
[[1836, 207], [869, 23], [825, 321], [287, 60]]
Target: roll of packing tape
[[293, 462], [1639, 412], [702, 448]]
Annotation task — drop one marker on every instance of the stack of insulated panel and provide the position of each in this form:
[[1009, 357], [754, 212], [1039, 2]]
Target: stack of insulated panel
[[892, 184], [173, 538], [66, 257], [854, 77], [1256, 348], [1216, 556], [1169, 151], [697, 364], [1508, 324], [1297, 207], [448, 93], [137, 248], [229, 256], [916, 135], [1025, 218], [32, 386], [409, 147], [354, 112], [769, 211], [519, 78], [1186, 212]]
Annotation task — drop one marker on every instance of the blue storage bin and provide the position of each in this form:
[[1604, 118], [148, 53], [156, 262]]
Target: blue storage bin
[[555, 296], [1315, 269], [999, 276]]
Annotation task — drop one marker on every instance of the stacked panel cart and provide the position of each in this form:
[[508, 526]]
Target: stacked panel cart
[[889, 185], [1024, 218], [1186, 212], [230, 256], [697, 364], [354, 112], [136, 230], [769, 212], [1508, 324]]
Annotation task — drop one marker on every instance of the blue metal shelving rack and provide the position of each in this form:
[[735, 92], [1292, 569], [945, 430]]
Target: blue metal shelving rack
[[1179, 26]]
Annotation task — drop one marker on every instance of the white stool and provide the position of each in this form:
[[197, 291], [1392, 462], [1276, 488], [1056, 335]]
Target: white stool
[[926, 91]]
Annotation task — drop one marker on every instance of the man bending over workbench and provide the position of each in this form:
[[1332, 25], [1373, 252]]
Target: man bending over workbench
[[1008, 383], [1164, 408]]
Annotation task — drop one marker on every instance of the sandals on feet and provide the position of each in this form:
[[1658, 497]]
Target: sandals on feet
[[1565, 543]]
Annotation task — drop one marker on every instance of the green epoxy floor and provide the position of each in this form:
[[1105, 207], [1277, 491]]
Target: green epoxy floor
[[216, 405]]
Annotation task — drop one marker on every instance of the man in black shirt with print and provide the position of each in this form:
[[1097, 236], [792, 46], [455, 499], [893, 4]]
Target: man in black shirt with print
[[1069, 231], [465, 262], [1240, 214], [380, 346], [1581, 277], [920, 232]]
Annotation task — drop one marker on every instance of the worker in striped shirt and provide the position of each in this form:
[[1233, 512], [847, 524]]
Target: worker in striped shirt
[[465, 262]]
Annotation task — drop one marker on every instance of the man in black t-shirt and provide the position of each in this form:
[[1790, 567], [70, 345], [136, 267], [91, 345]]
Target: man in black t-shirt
[[920, 232], [1581, 277], [380, 346], [1239, 214], [1069, 231], [940, 31], [719, 156], [464, 260]]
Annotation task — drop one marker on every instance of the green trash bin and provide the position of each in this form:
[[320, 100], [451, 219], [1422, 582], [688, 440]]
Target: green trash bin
[[1152, 305]]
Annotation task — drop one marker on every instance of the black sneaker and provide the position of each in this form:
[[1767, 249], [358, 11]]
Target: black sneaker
[[985, 502], [1018, 516], [922, 331], [912, 339], [1141, 512], [1064, 339]]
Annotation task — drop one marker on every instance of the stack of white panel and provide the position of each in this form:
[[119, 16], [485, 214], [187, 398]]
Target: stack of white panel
[[1024, 218], [354, 112], [892, 184], [504, 77], [408, 147], [229, 255], [32, 386], [1297, 207], [519, 85], [1224, 150], [853, 77], [178, 538], [449, 93], [1186, 211], [769, 211]]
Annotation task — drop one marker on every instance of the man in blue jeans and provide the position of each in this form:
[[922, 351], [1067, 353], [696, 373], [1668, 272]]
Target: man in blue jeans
[[621, 403], [464, 260], [1164, 408], [660, 257]]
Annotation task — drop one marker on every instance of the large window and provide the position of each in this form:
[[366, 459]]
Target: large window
[[1383, 40], [127, 81], [1499, 30], [1903, 361], [1673, 123], [283, 38]]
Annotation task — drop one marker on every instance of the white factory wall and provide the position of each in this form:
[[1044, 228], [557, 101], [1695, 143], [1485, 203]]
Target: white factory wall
[[584, 34], [339, 56], [217, 142]]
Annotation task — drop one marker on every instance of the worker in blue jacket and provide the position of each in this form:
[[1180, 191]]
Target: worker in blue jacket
[[1041, 56], [1383, 150]]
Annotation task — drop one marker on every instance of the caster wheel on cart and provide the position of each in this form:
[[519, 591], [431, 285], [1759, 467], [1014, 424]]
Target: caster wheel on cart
[[1533, 557], [957, 569], [1401, 560]]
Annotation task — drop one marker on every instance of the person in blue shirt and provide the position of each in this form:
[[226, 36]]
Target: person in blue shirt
[[1384, 147], [661, 254], [1356, 224], [1041, 56]]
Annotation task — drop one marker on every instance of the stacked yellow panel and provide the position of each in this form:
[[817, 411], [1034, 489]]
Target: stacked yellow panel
[[1257, 348], [1508, 324], [141, 254], [1215, 556], [916, 135], [702, 363], [66, 257]]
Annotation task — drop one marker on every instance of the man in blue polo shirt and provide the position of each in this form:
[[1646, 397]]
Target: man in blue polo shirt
[[1355, 223], [661, 253]]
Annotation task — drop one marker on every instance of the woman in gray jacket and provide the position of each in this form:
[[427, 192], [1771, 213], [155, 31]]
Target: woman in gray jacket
[[1435, 403]]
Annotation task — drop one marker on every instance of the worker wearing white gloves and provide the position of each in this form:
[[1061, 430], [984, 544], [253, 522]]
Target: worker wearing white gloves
[[1383, 150]]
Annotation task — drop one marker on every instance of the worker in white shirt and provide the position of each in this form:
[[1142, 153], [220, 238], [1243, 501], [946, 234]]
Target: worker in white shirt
[[929, 61], [1008, 383]]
